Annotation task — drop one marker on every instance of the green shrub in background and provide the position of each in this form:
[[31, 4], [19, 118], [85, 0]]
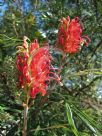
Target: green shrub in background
[[74, 108]]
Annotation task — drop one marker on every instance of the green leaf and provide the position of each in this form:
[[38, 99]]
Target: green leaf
[[0, 55], [92, 124], [71, 120], [2, 108]]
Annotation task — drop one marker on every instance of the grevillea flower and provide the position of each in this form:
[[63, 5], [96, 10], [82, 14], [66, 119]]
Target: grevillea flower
[[70, 37], [33, 64], [39, 71]]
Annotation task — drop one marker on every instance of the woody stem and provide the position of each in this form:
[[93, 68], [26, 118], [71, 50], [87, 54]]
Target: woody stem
[[24, 133]]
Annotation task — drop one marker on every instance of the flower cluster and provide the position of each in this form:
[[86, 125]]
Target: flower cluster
[[33, 64], [70, 36]]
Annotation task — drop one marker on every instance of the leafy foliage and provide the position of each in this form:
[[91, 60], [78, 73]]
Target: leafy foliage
[[68, 110]]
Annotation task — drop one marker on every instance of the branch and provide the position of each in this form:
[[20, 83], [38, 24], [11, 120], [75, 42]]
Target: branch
[[85, 87], [95, 49], [95, 105]]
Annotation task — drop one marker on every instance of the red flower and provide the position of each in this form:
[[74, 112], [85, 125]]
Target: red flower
[[23, 69], [33, 64], [39, 70], [70, 35]]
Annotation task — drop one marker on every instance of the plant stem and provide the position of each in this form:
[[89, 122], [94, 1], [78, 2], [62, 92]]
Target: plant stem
[[24, 133]]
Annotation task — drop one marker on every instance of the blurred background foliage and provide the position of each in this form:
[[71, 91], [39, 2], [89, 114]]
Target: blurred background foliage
[[74, 109]]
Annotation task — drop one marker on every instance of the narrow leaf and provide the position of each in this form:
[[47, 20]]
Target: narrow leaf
[[71, 120]]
